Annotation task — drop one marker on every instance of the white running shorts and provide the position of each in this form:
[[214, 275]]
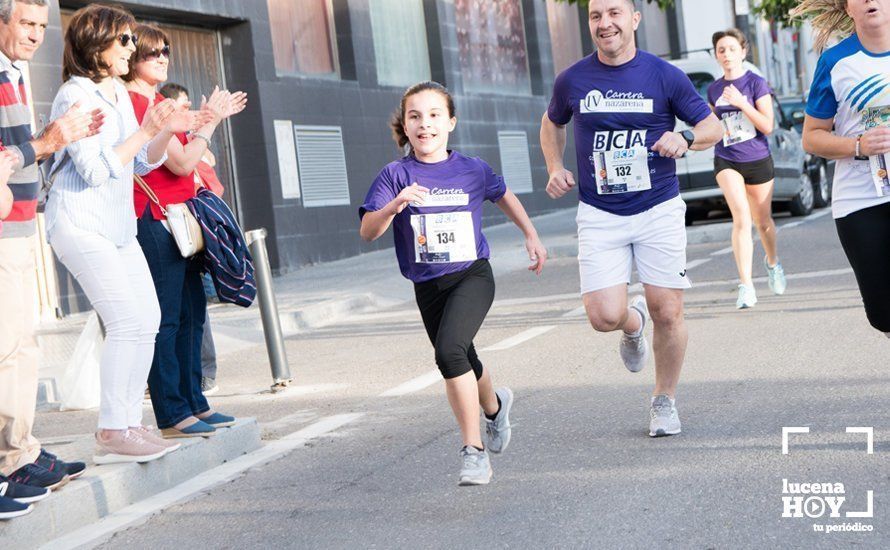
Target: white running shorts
[[610, 245]]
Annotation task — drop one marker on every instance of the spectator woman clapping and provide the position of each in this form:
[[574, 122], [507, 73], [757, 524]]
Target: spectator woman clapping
[[179, 405], [91, 225]]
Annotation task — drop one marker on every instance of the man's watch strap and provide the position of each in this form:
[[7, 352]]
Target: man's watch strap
[[688, 136]]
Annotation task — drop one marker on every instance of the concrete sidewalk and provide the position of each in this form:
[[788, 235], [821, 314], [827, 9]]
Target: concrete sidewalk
[[310, 298]]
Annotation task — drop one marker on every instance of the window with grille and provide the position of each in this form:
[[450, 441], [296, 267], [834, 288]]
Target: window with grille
[[322, 164]]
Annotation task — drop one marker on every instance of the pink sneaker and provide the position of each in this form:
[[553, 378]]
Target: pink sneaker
[[126, 446], [147, 432]]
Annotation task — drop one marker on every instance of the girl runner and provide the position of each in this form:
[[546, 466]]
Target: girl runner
[[848, 119], [743, 165], [433, 199]]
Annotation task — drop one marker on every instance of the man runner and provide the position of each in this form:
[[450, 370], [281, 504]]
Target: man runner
[[624, 102]]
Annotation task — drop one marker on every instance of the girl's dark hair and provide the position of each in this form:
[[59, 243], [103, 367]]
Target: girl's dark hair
[[734, 33], [173, 90], [150, 38], [91, 31], [397, 122]]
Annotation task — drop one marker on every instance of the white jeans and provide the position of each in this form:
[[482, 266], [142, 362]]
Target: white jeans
[[118, 284]]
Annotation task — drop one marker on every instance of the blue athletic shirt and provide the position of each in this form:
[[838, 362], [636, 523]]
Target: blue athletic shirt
[[620, 107], [849, 81]]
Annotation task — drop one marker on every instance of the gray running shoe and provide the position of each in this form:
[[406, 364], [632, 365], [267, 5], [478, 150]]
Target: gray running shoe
[[777, 282], [634, 350], [476, 469], [499, 430], [663, 419]]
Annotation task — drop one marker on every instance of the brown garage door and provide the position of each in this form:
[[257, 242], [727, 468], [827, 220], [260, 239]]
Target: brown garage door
[[195, 64]]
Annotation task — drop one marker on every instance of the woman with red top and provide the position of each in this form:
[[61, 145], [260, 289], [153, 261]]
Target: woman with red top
[[175, 377]]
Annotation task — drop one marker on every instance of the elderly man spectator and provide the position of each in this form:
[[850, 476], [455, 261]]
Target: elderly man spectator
[[22, 460]]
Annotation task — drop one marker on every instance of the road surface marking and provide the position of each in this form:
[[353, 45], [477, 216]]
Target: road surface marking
[[430, 378], [524, 336], [414, 385]]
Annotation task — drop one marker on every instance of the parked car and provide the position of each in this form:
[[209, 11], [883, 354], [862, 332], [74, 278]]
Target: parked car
[[794, 109], [803, 181]]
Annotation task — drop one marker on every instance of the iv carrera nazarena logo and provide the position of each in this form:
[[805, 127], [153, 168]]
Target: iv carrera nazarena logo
[[615, 102]]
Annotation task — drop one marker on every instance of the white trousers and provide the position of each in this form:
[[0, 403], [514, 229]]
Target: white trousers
[[118, 284]]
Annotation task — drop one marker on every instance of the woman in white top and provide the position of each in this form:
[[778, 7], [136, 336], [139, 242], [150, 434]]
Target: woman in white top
[[848, 119], [92, 227]]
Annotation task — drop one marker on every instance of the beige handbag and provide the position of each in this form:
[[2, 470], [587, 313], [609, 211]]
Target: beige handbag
[[181, 222]]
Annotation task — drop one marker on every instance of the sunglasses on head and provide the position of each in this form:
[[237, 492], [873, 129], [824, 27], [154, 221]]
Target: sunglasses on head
[[126, 38], [156, 53]]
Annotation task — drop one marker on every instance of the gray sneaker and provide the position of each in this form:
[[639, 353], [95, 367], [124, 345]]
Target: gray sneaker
[[498, 430], [663, 419], [476, 469], [634, 350]]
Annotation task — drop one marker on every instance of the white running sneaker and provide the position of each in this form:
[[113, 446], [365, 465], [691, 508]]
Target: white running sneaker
[[634, 350], [776, 274], [498, 431], [747, 297], [476, 469], [663, 418]]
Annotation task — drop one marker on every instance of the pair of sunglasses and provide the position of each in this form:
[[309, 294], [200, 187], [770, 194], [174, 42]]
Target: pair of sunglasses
[[156, 53], [126, 38]]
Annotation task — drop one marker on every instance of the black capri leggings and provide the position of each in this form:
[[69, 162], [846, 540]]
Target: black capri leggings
[[453, 307], [865, 236]]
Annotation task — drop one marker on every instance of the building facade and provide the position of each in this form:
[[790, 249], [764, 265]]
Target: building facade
[[323, 78]]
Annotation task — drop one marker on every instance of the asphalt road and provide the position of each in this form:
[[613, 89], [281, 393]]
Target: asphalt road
[[580, 471]]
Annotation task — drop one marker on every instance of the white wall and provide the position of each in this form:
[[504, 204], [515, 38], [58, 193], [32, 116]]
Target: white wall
[[702, 18], [655, 28]]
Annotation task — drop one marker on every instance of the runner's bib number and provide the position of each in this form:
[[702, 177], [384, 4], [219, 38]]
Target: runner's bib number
[[444, 238], [876, 117], [737, 128], [621, 170], [879, 174]]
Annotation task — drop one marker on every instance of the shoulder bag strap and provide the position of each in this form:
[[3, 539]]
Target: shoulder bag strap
[[151, 194]]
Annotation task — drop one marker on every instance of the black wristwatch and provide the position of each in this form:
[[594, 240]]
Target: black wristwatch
[[689, 137]]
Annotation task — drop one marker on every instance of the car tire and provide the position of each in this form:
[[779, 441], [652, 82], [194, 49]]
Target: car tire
[[802, 203], [821, 187], [694, 214]]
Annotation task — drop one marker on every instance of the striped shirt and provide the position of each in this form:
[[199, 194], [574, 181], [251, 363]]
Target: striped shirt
[[15, 133], [92, 187]]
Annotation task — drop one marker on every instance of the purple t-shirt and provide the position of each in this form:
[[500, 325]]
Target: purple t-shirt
[[427, 246], [753, 87], [631, 105]]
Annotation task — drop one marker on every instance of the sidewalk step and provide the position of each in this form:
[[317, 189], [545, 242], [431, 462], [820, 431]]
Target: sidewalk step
[[106, 489]]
